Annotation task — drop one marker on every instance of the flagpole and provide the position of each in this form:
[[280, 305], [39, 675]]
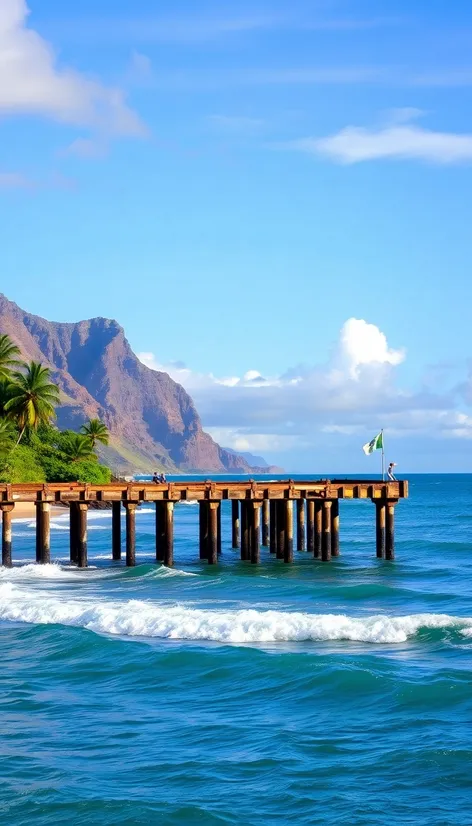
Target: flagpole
[[383, 457]]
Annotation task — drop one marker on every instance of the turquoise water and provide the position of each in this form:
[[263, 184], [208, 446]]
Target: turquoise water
[[308, 694]]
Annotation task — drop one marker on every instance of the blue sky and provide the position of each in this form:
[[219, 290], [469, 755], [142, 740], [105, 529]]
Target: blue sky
[[235, 182]]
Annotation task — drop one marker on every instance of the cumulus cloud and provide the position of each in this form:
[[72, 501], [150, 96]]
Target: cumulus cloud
[[398, 139], [32, 82], [354, 393], [361, 344]]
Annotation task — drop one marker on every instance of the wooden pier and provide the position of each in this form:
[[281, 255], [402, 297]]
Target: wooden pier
[[262, 513]]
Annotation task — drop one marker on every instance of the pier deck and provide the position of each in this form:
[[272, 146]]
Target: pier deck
[[317, 515]]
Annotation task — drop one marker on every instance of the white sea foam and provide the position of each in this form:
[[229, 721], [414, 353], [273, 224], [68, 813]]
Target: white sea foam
[[34, 571], [179, 622]]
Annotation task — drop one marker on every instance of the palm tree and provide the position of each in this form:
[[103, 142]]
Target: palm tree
[[8, 351], [33, 397], [77, 447], [7, 437], [95, 431], [5, 396]]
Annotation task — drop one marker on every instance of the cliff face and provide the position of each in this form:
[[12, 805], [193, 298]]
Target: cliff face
[[152, 419]]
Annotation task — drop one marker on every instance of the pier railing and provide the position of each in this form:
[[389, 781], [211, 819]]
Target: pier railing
[[254, 504]]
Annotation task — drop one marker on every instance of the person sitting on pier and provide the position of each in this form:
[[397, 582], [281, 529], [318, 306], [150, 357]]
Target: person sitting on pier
[[162, 479], [156, 478], [390, 474]]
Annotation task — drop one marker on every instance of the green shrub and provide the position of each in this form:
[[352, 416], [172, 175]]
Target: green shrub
[[22, 465]]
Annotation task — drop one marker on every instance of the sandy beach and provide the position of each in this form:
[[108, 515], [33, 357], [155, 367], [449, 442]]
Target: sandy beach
[[27, 510]]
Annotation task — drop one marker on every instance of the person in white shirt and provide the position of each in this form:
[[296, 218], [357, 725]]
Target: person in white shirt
[[390, 474]]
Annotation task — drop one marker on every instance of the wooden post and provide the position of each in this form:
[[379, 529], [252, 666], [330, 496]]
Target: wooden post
[[326, 540], [281, 530], [73, 533], [245, 533], [318, 528], [7, 510], [160, 531], [169, 535], [301, 530], [265, 522], [255, 522], [390, 538], [288, 549], [310, 506], [43, 533], [380, 525], [130, 534], [235, 524], [219, 527], [82, 509], [204, 523], [273, 526], [39, 516], [116, 531], [335, 528], [213, 533]]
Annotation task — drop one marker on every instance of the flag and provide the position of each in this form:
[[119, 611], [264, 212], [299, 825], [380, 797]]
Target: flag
[[375, 444]]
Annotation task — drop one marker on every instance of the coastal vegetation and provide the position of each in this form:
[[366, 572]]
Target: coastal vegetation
[[32, 448]]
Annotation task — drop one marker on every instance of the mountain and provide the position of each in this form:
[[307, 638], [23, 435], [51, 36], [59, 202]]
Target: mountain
[[152, 420], [257, 463]]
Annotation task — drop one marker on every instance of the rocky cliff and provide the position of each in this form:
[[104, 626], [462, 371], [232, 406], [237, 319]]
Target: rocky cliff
[[152, 419]]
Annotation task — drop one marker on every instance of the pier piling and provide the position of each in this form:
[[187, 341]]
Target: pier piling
[[273, 527], [73, 533], [7, 511], [169, 535], [38, 533], [326, 534], [265, 523], [255, 519], [390, 538], [288, 519], [235, 524], [380, 525], [310, 507], [281, 530], [130, 508], [43, 533], [204, 525], [245, 535], [82, 509], [116, 531], [160, 531], [213, 533], [301, 526], [318, 529]]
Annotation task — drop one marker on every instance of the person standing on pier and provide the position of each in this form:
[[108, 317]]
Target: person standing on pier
[[390, 474]]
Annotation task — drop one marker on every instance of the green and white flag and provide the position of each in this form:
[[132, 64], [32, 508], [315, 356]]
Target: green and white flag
[[375, 444]]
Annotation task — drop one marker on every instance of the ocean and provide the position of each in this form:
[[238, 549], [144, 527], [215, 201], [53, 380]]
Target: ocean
[[252, 695]]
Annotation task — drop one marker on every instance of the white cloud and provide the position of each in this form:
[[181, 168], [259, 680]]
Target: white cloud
[[352, 395], [318, 416], [362, 343], [32, 82], [396, 140]]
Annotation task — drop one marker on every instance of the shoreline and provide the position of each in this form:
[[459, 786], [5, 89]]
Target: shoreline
[[27, 510]]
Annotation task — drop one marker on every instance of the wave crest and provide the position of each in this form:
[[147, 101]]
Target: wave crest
[[178, 622]]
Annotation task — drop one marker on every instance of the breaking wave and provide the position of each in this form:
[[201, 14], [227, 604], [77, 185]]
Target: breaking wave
[[136, 618]]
